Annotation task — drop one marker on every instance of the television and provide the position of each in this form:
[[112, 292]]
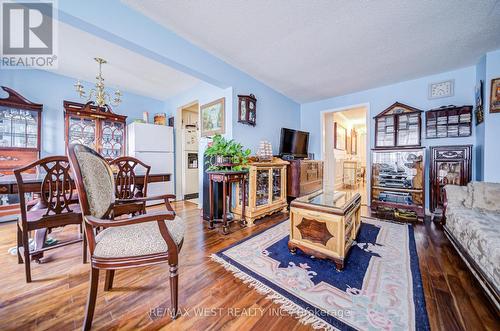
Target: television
[[294, 143]]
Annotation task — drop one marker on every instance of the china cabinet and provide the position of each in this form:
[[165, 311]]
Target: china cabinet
[[266, 192], [448, 121], [450, 165], [96, 127], [247, 109], [398, 188], [20, 130], [398, 126]]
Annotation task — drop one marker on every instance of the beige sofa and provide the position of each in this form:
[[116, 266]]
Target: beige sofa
[[472, 223]]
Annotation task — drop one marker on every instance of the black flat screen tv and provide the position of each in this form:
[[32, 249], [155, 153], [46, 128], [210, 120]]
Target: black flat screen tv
[[294, 143]]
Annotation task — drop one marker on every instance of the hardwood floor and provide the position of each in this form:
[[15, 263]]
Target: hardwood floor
[[140, 297]]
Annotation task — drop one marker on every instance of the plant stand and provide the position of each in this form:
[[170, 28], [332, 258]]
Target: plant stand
[[227, 178]]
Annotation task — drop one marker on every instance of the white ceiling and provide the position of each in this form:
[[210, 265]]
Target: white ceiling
[[311, 50], [125, 69]]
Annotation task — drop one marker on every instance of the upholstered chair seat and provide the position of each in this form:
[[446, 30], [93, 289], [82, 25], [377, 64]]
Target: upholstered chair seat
[[122, 242], [137, 239]]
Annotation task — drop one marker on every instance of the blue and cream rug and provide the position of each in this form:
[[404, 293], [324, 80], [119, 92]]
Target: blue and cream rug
[[380, 287]]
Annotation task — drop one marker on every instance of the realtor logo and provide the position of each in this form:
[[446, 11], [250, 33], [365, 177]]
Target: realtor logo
[[28, 35]]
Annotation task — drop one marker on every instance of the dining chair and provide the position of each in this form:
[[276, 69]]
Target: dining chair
[[126, 187], [136, 241], [57, 206]]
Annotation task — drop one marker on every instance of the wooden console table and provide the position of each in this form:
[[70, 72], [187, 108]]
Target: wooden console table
[[227, 178]]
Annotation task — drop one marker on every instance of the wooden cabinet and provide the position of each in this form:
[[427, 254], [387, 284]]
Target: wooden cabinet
[[449, 165], [448, 122], [266, 190], [398, 188], [20, 131], [325, 224], [398, 126], [96, 127], [304, 177]]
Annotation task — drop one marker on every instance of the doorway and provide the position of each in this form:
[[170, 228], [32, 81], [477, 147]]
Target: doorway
[[187, 147], [345, 147]]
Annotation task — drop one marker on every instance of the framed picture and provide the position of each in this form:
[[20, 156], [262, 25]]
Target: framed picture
[[479, 112], [340, 136], [354, 142], [495, 96], [212, 118]]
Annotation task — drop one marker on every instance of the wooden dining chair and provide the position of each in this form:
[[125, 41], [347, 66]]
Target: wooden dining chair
[[126, 187], [57, 206], [141, 240]]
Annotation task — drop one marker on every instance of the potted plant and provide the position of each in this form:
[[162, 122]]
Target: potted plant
[[224, 154]]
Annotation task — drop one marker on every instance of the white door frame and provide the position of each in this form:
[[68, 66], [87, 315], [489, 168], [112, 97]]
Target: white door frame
[[179, 151], [365, 105]]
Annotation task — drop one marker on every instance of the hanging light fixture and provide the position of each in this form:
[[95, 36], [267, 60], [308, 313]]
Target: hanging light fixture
[[99, 92]]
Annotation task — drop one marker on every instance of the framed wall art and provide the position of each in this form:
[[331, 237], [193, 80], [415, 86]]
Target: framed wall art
[[495, 96], [479, 112], [340, 136], [212, 118]]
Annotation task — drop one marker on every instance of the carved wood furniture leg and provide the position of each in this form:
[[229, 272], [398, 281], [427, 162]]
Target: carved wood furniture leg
[[108, 283], [89, 312], [211, 202], [27, 261], [225, 228], [174, 291], [244, 201], [84, 252], [19, 244], [40, 237]]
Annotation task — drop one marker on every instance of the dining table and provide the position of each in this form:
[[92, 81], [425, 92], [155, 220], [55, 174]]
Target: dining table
[[33, 183]]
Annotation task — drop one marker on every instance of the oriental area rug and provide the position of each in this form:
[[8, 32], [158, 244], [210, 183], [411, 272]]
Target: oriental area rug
[[380, 287]]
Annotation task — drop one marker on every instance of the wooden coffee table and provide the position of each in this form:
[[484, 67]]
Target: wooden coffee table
[[325, 224]]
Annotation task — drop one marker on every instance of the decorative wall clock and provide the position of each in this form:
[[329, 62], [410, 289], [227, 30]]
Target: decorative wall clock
[[443, 89], [247, 109]]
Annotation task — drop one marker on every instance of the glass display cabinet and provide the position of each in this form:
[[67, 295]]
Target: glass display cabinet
[[398, 126], [398, 189], [449, 165], [20, 130], [96, 127], [266, 190]]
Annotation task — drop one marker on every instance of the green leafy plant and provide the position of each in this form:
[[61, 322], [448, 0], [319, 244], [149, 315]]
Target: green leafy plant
[[224, 154]]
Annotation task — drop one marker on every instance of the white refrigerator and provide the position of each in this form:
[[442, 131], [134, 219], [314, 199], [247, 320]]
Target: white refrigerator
[[154, 145]]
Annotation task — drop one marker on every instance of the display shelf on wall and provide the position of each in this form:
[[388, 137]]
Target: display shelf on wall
[[448, 122], [398, 126]]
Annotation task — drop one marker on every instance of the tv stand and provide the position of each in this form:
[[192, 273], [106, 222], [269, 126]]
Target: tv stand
[[304, 177]]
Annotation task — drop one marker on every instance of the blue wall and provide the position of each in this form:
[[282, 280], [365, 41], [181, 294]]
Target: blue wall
[[480, 129], [51, 89], [492, 122], [413, 92]]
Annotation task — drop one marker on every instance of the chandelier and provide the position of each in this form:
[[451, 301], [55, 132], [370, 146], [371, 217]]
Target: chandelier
[[99, 93]]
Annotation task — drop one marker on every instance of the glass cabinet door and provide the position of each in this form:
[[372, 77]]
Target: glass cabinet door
[[18, 128], [262, 187], [82, 131], [112, 139], [276, 184]]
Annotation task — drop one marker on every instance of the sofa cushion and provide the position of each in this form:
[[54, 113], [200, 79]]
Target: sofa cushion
[[477, 231], [456, 196], [137, 239], [485, 196]]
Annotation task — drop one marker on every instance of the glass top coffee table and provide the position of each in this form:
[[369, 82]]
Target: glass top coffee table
[[325, 224]]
